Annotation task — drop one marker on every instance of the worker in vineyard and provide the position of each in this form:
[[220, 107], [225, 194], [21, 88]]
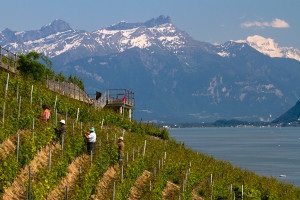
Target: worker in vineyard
[[121, 147], [62, 130], [91, 143], [46, 113]]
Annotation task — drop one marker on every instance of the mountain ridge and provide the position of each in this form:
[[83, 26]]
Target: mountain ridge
[[173, 76]]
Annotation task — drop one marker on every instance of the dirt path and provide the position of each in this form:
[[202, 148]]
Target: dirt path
[[18, 188], [195, 195], [104, 183], [73, 169], [170, 191], [8, 146], [137, 190]]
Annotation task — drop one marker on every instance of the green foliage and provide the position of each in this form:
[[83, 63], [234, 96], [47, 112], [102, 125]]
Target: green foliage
[[76, 80], [174, 169], [30, 66]]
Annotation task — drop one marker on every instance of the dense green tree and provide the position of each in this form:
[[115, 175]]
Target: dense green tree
[[76, 80], [35, 65]]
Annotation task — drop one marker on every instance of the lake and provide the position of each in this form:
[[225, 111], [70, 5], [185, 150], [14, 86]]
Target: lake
[[266, 151]]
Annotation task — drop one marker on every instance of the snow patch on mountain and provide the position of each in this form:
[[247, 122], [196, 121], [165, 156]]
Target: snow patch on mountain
[[269, 47]]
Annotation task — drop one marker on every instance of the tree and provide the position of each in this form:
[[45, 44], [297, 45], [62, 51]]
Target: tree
[[31, 65], [76, 80]]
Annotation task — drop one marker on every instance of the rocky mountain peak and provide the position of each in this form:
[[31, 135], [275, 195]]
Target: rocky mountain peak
[[57, 25], [149, 24], [158, 21]]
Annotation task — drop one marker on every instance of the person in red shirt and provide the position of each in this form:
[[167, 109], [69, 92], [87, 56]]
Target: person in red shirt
[[46, 114]]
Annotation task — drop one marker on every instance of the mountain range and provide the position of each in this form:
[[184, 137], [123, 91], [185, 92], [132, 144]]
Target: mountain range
[[174, 77]]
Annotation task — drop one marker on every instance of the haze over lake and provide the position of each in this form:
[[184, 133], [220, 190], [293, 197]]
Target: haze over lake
[[267, 151]]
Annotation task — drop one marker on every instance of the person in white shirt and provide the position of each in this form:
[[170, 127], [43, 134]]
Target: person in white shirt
[[91, 143]]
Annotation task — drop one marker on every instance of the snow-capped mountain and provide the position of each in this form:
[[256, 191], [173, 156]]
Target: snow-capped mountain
[[269, 47], [173, 76], [57, 38]]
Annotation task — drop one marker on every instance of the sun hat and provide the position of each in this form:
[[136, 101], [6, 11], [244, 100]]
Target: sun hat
[[92, 129], [120, 138], [62, 121]]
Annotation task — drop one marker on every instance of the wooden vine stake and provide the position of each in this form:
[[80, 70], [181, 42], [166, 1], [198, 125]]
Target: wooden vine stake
[[77, 115], [102, 123], [55, 103], [18, 94], [3, 113], [29, 182], [18, 146], [19, 108], [32, 128], [50, 160], [114, 190], [31, 95], [66, 197], [145, 148], [6, 87]]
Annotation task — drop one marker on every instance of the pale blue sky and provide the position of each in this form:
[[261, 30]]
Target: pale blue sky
[[214, 21]]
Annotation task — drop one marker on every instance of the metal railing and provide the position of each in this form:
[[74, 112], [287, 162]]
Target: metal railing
[[8, 60]]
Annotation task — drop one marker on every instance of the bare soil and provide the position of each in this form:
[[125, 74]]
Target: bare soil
[[137, 190], [17, 190], [8, 146], [69, 180], [105, 183], [195, 195], [170, 191]]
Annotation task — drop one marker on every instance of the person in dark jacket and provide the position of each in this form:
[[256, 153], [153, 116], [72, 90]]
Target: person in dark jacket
[[62, 130]]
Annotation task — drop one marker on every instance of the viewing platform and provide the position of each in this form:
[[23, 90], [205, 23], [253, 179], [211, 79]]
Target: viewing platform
[[121, 100]]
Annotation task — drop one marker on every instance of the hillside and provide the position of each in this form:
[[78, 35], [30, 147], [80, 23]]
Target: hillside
[[290, 116], [153, 168], [176, 78]]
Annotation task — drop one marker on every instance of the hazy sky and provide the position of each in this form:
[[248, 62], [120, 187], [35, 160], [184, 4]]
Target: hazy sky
[[214, 21]]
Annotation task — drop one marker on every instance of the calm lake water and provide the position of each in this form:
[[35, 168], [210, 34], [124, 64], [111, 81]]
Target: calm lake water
[[267, 151]]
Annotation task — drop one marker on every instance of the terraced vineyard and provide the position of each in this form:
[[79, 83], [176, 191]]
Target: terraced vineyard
[[155, 167]]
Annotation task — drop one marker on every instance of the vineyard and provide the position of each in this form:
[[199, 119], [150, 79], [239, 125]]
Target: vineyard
[[36, 163]]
